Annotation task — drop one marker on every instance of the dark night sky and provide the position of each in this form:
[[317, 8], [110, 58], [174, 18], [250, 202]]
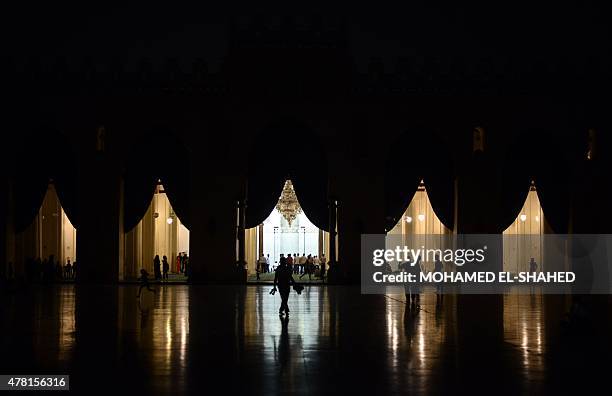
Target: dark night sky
[[521, 31]]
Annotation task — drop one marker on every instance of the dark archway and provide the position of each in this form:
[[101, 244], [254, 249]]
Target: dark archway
[[419, 154], [44, 155], [287, 150], [159, 155], [592, 191], [545, 158]]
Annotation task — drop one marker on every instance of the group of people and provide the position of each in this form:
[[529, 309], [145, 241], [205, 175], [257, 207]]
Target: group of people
[[302, 265], [161, 268], [263, 265], [48, 269], [182, 262], [413, 290]]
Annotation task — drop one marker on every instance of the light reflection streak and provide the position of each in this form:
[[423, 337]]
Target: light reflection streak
[[416, 335], [523, 328]]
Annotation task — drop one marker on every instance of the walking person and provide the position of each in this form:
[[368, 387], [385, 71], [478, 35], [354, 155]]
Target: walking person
[[145, 301], [283, 280], [144, 282], [290, 263], [157, 267], [308, 264], [414, 289], [294, 261], [323, 262], [533, 268], [166, 268]]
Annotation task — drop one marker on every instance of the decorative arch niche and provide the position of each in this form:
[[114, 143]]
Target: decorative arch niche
[[46, 208], [523, 239], [420, 226], [157, 215], [269, 169]]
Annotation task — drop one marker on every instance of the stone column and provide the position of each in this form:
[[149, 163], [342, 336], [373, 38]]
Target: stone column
[[7, 231], [216, 183], [321, 249], [260, 240], [100, 233], [333, 217], [590, 215], [212, 238], [148, 238], [478, 199], [133, 257], [241, 206]]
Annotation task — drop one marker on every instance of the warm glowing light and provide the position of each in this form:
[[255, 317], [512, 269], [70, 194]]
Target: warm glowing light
[[169, 220], [421, 217], [288, 204], [537, 218], [523, 217], [408, 219]]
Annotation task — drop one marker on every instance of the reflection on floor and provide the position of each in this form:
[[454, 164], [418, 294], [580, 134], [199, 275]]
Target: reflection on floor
[[172, 278], [268, 277], [197, 338]]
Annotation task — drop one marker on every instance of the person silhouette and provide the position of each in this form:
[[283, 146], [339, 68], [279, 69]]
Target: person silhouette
[[144, 282], [533, 266], [413, 289], [283, 280], [68, 270], [411, 325], [74, 269], [157, 267], [323, 261], [284, 345], [145, 301], [166, 267]]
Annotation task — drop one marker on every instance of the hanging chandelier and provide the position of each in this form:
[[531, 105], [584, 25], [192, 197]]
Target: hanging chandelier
[[288, 204]]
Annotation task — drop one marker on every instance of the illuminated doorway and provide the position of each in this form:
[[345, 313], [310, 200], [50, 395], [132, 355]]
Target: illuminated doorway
[[286, 231], [51, 237], [523, 314], [419, 227], [523, 238], [159, 233]]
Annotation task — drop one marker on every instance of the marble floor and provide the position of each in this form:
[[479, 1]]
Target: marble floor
[[230, 339], [268, 278]]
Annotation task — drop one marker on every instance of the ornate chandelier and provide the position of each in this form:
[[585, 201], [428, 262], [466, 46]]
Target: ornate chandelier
[[288, 204]]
